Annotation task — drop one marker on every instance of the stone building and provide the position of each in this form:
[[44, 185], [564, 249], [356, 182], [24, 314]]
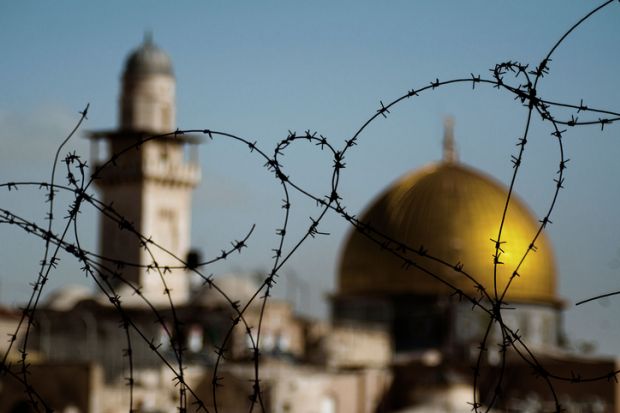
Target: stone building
[[399, 340]]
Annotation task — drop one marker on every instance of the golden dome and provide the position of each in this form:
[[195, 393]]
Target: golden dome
[[453, 211]]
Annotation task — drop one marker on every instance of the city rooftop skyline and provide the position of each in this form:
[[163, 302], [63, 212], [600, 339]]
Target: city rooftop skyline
[[260, 71]]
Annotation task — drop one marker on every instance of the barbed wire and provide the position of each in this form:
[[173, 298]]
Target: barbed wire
[[107, 272]]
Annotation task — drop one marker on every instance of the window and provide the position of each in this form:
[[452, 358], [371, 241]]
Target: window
[[167, 231], [166, 121], [328, 404], [195, 338]]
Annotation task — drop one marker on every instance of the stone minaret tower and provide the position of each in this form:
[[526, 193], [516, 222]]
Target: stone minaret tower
[[151, 185]]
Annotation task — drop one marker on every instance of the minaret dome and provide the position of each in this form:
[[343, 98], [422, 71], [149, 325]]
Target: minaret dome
[[147, 101], [148, 59]]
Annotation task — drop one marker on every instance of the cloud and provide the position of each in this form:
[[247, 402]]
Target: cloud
[[222, 192], [35, 136]]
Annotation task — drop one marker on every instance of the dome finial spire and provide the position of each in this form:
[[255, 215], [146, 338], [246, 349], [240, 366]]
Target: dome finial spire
[[148, 37], [449, 148]]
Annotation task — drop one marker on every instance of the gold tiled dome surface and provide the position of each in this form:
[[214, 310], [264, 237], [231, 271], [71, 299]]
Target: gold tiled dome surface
[[452, 211]]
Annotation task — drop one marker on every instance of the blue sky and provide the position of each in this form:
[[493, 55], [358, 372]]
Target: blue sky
[[260, 69]]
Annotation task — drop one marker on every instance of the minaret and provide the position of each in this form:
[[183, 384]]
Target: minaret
[[150, 185]]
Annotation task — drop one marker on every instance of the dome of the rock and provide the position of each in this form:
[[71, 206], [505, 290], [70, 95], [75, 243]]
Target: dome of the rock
[[452, 212]]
